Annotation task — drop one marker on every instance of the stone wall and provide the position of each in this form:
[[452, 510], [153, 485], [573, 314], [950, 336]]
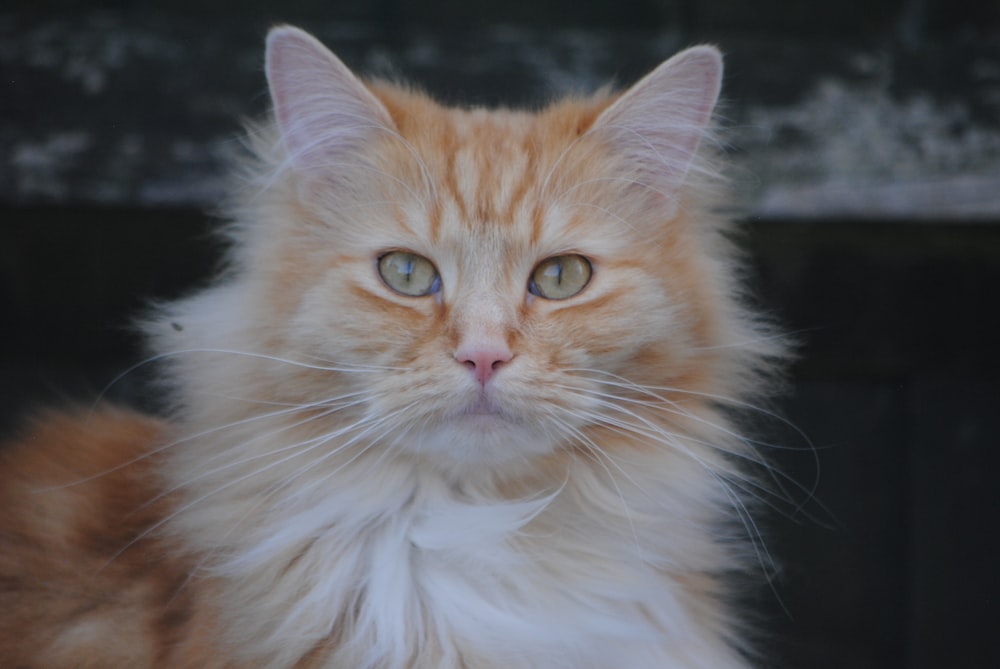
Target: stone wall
[[140, 111]]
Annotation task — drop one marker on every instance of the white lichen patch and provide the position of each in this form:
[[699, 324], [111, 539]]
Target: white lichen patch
[[87, 54], [855, 149], [40, 166]]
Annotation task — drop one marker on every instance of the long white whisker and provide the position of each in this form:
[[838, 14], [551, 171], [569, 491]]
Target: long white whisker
[[749, 485], [726, 484], [653, 391], [373, 424], [777, 476], [288, 409], [600, 456], [348, 368], [167, 355], [612, 401], [311, 443], [206, 473], [261, 499]]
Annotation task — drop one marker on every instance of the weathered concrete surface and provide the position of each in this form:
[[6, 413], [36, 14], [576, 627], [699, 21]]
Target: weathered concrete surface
[[142, 112]]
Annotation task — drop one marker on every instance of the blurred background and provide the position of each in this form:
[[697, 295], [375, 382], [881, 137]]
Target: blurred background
[[864, 137]]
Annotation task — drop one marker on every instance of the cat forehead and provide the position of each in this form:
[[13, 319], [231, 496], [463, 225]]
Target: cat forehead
[[467, 139], [491, 169]]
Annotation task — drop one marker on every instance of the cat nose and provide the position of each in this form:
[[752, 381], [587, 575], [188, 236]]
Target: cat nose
[[484, 359]]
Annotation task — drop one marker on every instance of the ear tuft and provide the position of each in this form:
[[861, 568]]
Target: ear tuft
[[322, 110], [659, 122]]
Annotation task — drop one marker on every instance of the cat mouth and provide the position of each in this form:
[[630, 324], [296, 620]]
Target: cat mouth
[[484, 407]]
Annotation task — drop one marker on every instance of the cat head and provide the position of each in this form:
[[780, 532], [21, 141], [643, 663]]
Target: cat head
[[487, 286]]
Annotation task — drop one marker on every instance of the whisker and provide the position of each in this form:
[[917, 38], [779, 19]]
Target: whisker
[[778, 478], [267, 496], [726, 484], [600, 455], [653, 391], [311, 445], [206, 473], [782, 337], [348, 368], [289, 409], [376, 423], [776, 475], [650, 430]]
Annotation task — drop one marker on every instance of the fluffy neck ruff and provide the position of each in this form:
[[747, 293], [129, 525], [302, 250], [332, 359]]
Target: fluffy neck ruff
[[378, 560]]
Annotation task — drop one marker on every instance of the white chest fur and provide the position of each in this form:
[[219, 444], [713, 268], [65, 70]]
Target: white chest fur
[[400, 571]]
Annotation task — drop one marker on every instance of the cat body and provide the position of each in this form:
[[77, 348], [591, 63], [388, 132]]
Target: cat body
[[458, 402]]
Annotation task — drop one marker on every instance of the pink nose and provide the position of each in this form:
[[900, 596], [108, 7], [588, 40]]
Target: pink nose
[[484, 360]]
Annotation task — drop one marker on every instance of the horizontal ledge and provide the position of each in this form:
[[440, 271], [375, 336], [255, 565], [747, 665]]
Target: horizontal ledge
[[959, 198]]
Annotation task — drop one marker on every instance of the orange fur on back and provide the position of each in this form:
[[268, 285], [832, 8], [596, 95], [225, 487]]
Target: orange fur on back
[[85, 580], [76, 491]]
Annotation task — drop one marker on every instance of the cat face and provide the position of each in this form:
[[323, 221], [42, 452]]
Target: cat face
[[496, 279]]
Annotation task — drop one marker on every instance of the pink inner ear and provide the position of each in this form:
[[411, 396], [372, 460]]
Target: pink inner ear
[[323, 111], [659, 122]]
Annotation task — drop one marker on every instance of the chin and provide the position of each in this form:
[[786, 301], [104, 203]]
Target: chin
[[473, 440]]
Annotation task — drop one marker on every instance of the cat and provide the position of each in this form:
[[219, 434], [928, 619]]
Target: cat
[[464, 396]]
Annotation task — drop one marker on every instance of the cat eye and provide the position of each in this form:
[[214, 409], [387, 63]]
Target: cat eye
[[560, 277], [409, 274]]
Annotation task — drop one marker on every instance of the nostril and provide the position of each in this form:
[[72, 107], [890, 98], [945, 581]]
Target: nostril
[[484, 361]]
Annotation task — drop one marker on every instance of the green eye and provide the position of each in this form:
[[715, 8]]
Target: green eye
[[560, 277], [409, 274]]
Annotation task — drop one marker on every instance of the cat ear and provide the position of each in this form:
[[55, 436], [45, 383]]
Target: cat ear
[[658, 123], [324, 113]]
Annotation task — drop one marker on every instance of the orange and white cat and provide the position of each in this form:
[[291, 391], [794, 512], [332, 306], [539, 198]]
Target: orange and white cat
[[462, 399]]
